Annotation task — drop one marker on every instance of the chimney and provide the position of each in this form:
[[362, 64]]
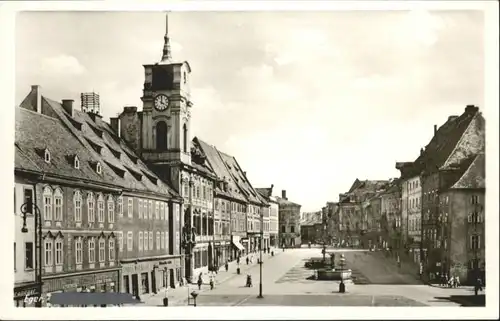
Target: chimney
[[36, 89], [421, 151], [283, 194], [68, 106], [129, 109], [452, 118], [115, 125], [435, 129], [245, 174], [471, 109], [272, 185]]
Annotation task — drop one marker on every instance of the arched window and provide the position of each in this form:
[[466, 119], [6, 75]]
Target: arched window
[[100, 209], [47, 204], [58, 201], [91, 207], [185, 138], [161, 136], [77, 199], [111, 209]]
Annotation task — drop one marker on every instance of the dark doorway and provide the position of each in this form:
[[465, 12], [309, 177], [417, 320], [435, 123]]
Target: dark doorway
[[126, 283], [153, 281], [172, 279], [144, 283], [161, 136], [135, 285]]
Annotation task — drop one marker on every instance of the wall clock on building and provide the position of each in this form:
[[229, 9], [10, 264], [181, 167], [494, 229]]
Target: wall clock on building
[[161, 102]]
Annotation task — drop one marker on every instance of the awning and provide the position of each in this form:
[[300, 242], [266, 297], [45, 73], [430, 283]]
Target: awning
[[236, 242], [92, 298]]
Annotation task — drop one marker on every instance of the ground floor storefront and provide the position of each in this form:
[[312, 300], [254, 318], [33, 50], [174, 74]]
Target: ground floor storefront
[[203, 256], [87, 281], [149, 276], [273, 239], [26, 294], [223, 253]]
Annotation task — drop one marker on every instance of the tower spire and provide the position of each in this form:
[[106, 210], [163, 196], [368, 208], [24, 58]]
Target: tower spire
[[167, 55]]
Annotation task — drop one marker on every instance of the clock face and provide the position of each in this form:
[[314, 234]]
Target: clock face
[[161, 102]]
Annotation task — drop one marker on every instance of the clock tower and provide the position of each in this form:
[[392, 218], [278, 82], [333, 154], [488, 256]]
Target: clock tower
[[166, 113]]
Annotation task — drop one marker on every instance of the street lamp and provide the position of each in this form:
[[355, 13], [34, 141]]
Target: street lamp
[[342, 264], [324, 244], [27, 208], [260, 254]]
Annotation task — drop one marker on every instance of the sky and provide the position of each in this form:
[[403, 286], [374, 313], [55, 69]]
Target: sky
[[306, 101]]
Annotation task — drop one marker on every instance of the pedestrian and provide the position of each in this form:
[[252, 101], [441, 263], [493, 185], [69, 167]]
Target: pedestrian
[[268, 249], [457, 281], [226, 266], [211, 283], [238, 260], [200, 281], [478, 286], [248, 260]]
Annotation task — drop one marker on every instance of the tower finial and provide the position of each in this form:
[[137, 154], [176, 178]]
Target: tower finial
[[167, 55]]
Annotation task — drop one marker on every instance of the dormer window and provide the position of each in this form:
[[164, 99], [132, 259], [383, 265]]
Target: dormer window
[[76, 162], [46, 156], [98, 168]]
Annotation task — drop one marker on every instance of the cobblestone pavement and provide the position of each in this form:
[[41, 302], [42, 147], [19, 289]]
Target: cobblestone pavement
[[284, 281]]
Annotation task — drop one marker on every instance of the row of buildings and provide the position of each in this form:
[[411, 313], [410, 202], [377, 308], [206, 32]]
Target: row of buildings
[[136, 204], [433, 214]]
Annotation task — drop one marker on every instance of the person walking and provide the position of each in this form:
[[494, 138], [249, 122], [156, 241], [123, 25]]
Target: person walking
[[248, 260], [200, 281], [211, 283], [226, 266]]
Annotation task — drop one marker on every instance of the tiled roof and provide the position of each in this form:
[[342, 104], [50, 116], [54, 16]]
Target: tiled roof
[[36, 132], [282, 201], [444, 141], [474, 175], [240, 179], [221, 171], [265, 192]]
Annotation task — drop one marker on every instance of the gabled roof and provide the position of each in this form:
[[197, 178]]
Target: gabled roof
[[474, 175], [36, 132], [444, 141], [266, 192], [240, 179], [284, 202], [221, 171]]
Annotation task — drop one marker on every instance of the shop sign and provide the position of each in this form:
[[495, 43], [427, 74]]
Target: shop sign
[[26, 292]]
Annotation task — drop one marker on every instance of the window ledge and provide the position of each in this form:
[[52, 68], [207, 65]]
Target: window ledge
[[27, 270]]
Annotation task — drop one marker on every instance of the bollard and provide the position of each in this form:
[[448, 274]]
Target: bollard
[[165, 302], [342, 287], [238, 271]]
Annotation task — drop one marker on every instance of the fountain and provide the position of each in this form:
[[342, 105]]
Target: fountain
[[331, 273]]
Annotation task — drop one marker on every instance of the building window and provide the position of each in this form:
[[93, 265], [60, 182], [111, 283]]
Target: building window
[[130, 241], [98, 168], [28, 255], [59, 252], [161, 136], [184, 137], [166, 240], [78, 250], [474, 199], [90, 207], [102, 250], [130, 208], [140, 240], [158, 240], [76, 163], [146, 241], [186, 190], [475, 242], [162, 209], [58, 200], [157, 210], [47, 203], [111, 210], [283, 228], [140, 208], [292, 229], [77, 200], [166, 211], [100, 209], [111, 245], [162, 241], [49, 255], [119, 206], [151, 240], [120, 241], [46, 156], [91, 250]]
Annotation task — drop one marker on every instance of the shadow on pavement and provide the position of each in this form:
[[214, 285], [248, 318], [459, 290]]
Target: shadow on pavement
[[466, 300]]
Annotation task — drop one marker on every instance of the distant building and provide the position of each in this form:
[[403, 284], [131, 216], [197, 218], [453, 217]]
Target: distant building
[[273, 221], [391, 217], [91, 103], [289, 220], [312, 229]]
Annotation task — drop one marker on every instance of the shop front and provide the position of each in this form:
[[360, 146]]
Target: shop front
[[141, 277], [26, 294], [238, 249], [222, 253], [95, 281]]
